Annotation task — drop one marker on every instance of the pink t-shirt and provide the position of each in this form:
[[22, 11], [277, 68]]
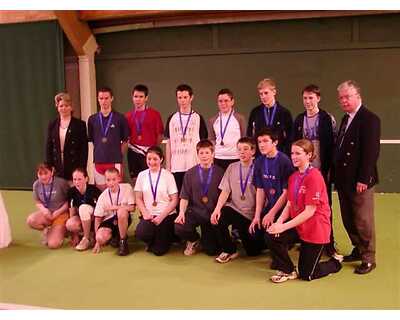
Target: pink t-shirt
[[311, 190]]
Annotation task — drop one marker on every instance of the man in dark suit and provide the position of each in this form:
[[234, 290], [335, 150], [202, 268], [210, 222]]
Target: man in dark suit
[[356, 156]]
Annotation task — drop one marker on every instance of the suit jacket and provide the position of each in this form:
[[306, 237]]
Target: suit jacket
[[326, 138], [282, 124], [75, 147], [356, 159]]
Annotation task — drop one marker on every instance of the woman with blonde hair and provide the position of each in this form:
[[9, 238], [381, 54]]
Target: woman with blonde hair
[[67, 142]]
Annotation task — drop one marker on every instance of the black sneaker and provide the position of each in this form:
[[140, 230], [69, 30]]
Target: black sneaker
[[353, 256], [114, 242], [123, 249]]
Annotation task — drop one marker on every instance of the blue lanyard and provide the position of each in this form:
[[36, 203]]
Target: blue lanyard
[[105, 131], [222, 131], [243, 186], [269, 121], [109, 194], [154, 189], [184, 129], [205, 187], [298, 182], [46, 197], [139, 120]]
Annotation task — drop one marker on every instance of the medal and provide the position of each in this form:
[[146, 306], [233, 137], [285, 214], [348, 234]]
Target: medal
[[139, 121], [272, 191], [46, 197], [204, 184], [139, 137], [269, 174], [244, 185], [154, 188], [223, 130], [298, 182], [269, 121], [109, 195], [104, 131], [184, 129]]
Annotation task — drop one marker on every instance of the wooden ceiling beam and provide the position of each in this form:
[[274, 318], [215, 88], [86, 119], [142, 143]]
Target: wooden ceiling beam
[[22, 16], [78, 32]]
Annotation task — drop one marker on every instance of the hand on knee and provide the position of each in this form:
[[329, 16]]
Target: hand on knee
[[122, 214]]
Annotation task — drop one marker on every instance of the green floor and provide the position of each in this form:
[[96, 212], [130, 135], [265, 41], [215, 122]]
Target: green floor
[[33, 275]]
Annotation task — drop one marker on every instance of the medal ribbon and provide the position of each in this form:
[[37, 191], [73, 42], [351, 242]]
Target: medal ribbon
[[109, 194], [46, 197], [154, 189], [186, 125], [311, 135], [105, 131], [298, 182], [243, 186], [139, 120], [204, 187], [269, 121], [268, 173], [222, 131]]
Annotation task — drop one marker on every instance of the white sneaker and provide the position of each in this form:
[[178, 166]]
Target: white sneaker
[[225, 257], [83, 244], [191, 248], [338, 257], [280, 276]]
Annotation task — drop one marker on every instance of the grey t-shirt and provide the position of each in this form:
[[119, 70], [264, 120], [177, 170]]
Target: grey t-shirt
[[192, 191], [231, 183], [58, 193], [310, 131]]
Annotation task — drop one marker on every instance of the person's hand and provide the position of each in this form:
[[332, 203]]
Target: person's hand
[[254, 224], [157, 220], [267, 220], [276, 229], [147, 216], [96, 248], [215, 217], [47, 214], [361, 187], [180, 219]]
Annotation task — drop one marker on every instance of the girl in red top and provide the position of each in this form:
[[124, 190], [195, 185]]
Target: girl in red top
[[306, 218]]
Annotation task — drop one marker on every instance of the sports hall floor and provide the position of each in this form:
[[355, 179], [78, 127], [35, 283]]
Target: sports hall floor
[[66, 279]]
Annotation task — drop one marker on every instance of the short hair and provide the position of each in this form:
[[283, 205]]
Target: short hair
[[307, 146], [184, 87], [112, 170], [81, 170], [141, 88], [44, 166], [351, 84], [312, 88], [268, 131], [226, 91], [267, 82], [105, 89], [247, 140], [157, 150], [205, 143], [62, 96]]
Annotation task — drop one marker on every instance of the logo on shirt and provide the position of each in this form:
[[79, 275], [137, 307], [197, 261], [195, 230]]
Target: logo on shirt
[[317, 196], [269, 176]]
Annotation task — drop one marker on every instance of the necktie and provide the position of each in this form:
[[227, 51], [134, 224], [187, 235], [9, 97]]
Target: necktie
[[342, 130]]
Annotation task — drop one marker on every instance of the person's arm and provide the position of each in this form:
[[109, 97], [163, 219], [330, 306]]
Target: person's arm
[[260, 201], [124, 147], [280, 227], [183, 204], [211, 133], [168, 155], [223, 197], [140, 204], [73, 212], [173, 202], [270, 216], [46, 212], [285, 213]]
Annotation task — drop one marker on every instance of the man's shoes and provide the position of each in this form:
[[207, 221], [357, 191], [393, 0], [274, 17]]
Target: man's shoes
[[123, 249], [191, 248], [280, 276], [365, 267], [114, 242], [353, 256], [83, 244], [225, 257]]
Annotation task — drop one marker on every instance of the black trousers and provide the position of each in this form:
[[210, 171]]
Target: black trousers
[[310, 253], [252, 244], [136, 163], [188, 232], [158, 238]]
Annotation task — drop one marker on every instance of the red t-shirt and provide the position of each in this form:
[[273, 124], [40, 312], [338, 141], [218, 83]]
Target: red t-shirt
[[311, 191], [152, 126]]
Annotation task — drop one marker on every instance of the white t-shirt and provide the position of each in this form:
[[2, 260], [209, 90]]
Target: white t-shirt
[[228, 150], [166, 187], [126, 197], [183, 153]]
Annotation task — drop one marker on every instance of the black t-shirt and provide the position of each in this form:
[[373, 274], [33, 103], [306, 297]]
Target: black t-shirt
[[75, 198]]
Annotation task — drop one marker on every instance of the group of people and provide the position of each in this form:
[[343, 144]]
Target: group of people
[[267, 182]]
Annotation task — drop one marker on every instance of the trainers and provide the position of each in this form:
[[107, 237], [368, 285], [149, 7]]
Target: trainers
[[191, 248], [123, 249], [281, 276], [83, 244], [337, 257], [225, 257]]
